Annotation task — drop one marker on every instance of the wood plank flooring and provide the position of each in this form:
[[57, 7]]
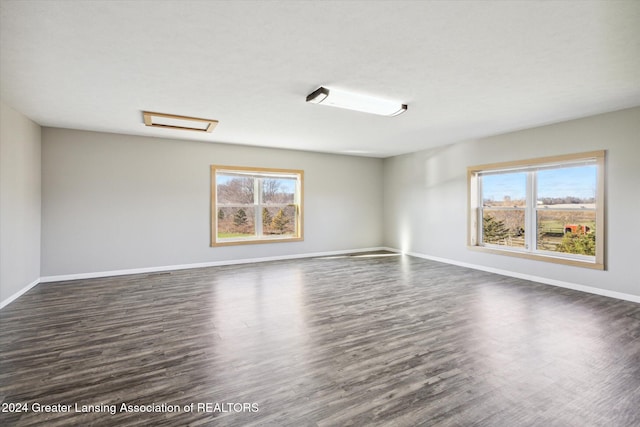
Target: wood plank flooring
[[369, 340]]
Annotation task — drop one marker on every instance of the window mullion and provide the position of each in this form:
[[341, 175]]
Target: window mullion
[[480, 213], [529, 214], [257, 202]]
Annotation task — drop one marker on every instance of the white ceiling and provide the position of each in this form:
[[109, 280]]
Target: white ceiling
[[466, 68]]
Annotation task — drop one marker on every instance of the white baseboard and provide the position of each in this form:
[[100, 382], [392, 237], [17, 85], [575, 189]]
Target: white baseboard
[[538, 279], [65, 277], [17, 294]]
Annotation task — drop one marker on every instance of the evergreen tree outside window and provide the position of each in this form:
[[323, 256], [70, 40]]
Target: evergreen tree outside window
[[255, 205]]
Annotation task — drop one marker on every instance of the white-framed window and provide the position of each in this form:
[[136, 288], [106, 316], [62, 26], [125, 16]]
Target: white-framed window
[[549, 209], [255, 205]]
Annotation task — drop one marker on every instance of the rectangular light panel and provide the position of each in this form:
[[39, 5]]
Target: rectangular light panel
[[357, 102], [172, 121]]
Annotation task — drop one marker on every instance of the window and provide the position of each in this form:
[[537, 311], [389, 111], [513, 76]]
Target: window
[[255, 205], [548, 209]]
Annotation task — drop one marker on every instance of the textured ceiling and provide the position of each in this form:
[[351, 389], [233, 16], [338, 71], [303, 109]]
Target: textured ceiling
[[466, 69]]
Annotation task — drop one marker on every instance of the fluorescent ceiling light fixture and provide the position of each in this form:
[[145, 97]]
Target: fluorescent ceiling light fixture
[[357, 102], [171, 121]]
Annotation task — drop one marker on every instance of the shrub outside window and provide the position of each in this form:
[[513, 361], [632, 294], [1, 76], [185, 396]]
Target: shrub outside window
[[549, 209], [255, 205]]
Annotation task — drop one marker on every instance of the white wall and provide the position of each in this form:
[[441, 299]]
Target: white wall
[[19, 202], [114, 202], [425, 197]]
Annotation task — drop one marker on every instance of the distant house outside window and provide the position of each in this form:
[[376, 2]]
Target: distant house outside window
[[549, 209], [255, 205]]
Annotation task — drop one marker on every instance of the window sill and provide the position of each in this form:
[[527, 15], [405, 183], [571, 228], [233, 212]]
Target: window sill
[[537, 257], [255, 241]]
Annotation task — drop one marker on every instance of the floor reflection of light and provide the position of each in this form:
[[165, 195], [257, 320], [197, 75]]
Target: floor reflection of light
[[258, 316], [515, 336], [372, 255], [377, 255]]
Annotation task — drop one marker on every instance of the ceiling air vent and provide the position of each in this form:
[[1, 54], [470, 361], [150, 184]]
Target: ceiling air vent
[[171, 121]]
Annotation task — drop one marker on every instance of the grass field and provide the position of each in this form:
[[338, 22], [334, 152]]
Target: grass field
[[231, 235], [556, 226], [551, 227]]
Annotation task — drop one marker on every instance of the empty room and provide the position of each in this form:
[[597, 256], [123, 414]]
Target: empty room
[[319, 213]]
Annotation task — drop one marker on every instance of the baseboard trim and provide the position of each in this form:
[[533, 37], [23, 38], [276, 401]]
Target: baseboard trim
[[99, 274], [18, 294], [538, 279]]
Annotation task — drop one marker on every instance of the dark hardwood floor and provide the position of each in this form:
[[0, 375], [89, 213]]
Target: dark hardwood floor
[[369, 340]]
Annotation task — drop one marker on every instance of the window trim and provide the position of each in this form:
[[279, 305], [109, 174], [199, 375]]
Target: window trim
[[213, 219], [473, 208]]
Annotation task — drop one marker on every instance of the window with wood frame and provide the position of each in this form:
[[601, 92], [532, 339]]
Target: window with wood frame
[[549, 209], [255, 205]]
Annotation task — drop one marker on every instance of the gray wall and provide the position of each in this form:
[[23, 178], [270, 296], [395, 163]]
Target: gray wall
[[425, 197], [19, 202], [113, 202]]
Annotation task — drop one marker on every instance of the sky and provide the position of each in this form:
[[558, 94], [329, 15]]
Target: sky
[[577, 181], [287, 185]]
